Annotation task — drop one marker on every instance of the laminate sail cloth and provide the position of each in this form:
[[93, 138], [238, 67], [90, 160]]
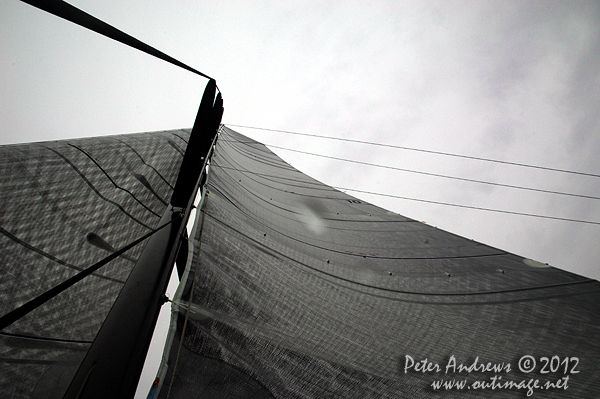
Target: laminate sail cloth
[[64, 206], [297, 290]]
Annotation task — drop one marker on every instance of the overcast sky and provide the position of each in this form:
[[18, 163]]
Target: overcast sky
[[510, 80]]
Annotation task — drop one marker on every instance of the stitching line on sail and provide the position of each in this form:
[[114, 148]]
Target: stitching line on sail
[[145, 163], [112, 181], [395, 291], [89, 183], [179, 137]]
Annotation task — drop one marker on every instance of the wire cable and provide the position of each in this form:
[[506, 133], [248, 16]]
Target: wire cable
[[439, 202], [469, 207], [38, 301], [436, 174], [189, 304], [423, 150]]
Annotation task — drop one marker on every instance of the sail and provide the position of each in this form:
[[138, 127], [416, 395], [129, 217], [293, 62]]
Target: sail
[[297, 290], [64, 206]]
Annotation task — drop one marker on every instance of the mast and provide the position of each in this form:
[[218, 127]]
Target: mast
[[113, 364]]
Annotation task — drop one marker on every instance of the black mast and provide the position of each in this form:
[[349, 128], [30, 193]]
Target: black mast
[[112, 366]]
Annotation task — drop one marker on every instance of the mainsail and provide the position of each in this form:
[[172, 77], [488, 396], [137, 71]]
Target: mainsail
[[297, 290]]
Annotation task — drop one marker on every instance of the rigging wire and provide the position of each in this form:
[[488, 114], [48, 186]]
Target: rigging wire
[[439, 202], [423, 150], [429, 201], [436, 174], [36, 302], [189, 302], [469, 207]]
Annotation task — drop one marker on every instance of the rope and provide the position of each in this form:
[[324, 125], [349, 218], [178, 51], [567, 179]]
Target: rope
[[436, 174], [66, 11], [36, 302]]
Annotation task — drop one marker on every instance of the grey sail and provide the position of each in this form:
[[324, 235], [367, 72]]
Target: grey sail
[[64, 206], [297, 290]]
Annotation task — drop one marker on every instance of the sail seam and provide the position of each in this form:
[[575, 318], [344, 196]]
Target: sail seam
[[145, 163], [112, 181], [586, 280], [307, 183], [96, 190], [52, 257]]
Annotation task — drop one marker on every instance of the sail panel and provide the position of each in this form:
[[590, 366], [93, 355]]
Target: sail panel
[[302, 291], [66, 205]]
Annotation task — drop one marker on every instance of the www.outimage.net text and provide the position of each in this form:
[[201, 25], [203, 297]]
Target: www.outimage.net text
[[555, 370]]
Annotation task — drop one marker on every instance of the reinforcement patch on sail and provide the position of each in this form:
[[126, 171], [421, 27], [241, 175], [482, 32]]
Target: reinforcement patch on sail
[[64, 206], [302, 291]]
